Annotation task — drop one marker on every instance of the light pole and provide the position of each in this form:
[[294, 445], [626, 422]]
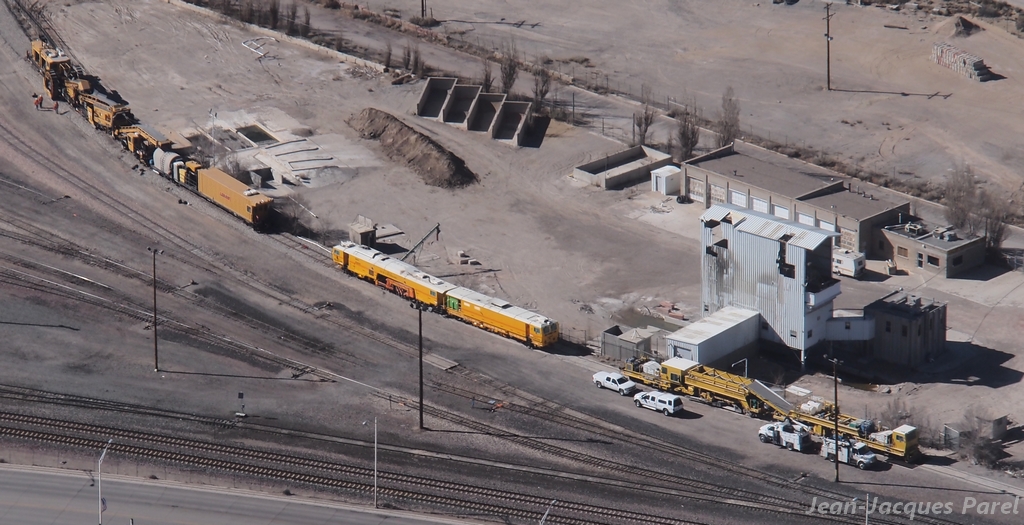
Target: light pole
[[744, 361], [828, 46], [156, 359], [545, 516], [835, 408], [99, 481], [375, 462], [419, 310]]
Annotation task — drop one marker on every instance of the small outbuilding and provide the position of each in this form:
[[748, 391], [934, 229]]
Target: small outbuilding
[[723, 334], [909, 330], [667, 180], [623, 342]]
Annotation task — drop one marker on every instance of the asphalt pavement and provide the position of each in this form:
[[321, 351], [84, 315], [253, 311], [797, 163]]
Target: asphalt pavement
[[39, 496]]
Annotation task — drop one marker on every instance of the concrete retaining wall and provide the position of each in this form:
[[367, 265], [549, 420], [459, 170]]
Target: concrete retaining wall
[[622, 168]]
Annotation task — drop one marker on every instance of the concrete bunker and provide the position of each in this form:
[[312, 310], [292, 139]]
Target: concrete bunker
[[623, 168]]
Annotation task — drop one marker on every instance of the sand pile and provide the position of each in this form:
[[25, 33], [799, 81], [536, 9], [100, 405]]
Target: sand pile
[[438, 166]]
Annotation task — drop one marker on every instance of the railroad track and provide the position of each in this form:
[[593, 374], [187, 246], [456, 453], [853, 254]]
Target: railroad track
[[213, 266], [564, 511], [563, 416]]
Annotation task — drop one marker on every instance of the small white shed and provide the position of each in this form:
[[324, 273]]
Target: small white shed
[[716, 336], [667, 180]]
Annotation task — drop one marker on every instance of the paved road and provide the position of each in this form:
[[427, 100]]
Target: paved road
[[48, 496]]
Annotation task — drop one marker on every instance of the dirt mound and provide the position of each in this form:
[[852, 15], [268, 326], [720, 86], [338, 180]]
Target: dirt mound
[[438, 166]]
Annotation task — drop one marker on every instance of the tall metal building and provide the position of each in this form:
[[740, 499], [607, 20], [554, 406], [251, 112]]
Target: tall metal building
[[779, 268]]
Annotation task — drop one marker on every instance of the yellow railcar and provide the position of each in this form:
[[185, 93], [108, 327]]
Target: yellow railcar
[[398, 277], [501, 317], [234, 196]]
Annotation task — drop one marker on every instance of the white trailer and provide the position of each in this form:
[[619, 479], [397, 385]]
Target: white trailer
[[788, 434], [847, 262], [856, 453]]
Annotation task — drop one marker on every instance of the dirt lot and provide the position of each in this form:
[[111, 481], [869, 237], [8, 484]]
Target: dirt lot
[[774, 57], [544, 241]]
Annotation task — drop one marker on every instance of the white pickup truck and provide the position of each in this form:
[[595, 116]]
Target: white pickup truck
[[665, 403], [614, 381]]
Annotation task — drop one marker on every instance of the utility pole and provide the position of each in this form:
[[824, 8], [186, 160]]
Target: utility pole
[[375, 462], [99, 481], [156, 360], [423, 8], [835, 408], [419, 308], [828, 45]]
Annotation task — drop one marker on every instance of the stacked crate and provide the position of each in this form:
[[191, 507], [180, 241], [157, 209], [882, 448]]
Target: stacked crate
[[960, 61]]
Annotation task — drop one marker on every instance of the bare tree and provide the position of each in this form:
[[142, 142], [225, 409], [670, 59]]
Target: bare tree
[[291, 11], [419, 68], [644, 118], [306, 28], [488, 76], [687, 132], [387, 54], [961, 191], [729, 120], [541, 86], [509, 65], [993, 211], [406, 57], [339, 41], [274, 13]]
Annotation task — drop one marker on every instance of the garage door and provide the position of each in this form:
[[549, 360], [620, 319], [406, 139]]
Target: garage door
[[827, 226], [780, 211], [803, 218], [760, 205], [696, 190], [738, 198], [717, 194]]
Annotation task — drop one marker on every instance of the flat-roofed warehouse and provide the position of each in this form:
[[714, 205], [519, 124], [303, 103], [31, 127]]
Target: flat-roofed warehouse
[[751, 177]]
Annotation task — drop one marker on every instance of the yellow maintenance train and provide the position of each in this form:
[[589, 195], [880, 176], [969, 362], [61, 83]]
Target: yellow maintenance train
[[405, 280], [107, 111], [752, 397]]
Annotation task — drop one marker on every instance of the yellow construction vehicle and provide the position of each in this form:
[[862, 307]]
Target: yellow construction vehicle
[[141, 140], [753, 397]]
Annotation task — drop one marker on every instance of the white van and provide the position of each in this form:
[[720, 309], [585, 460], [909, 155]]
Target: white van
[[667, 404], [848, 263]]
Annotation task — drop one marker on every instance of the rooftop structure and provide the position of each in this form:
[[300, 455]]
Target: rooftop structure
[[751, 177], [924, 247]]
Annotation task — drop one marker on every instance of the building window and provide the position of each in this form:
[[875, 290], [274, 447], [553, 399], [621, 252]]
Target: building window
[[933, 260], [904, 330], [902, 252], [958, 260], [792, 333], [810, 334], [765, 326], [888, 326], [847, 325]]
